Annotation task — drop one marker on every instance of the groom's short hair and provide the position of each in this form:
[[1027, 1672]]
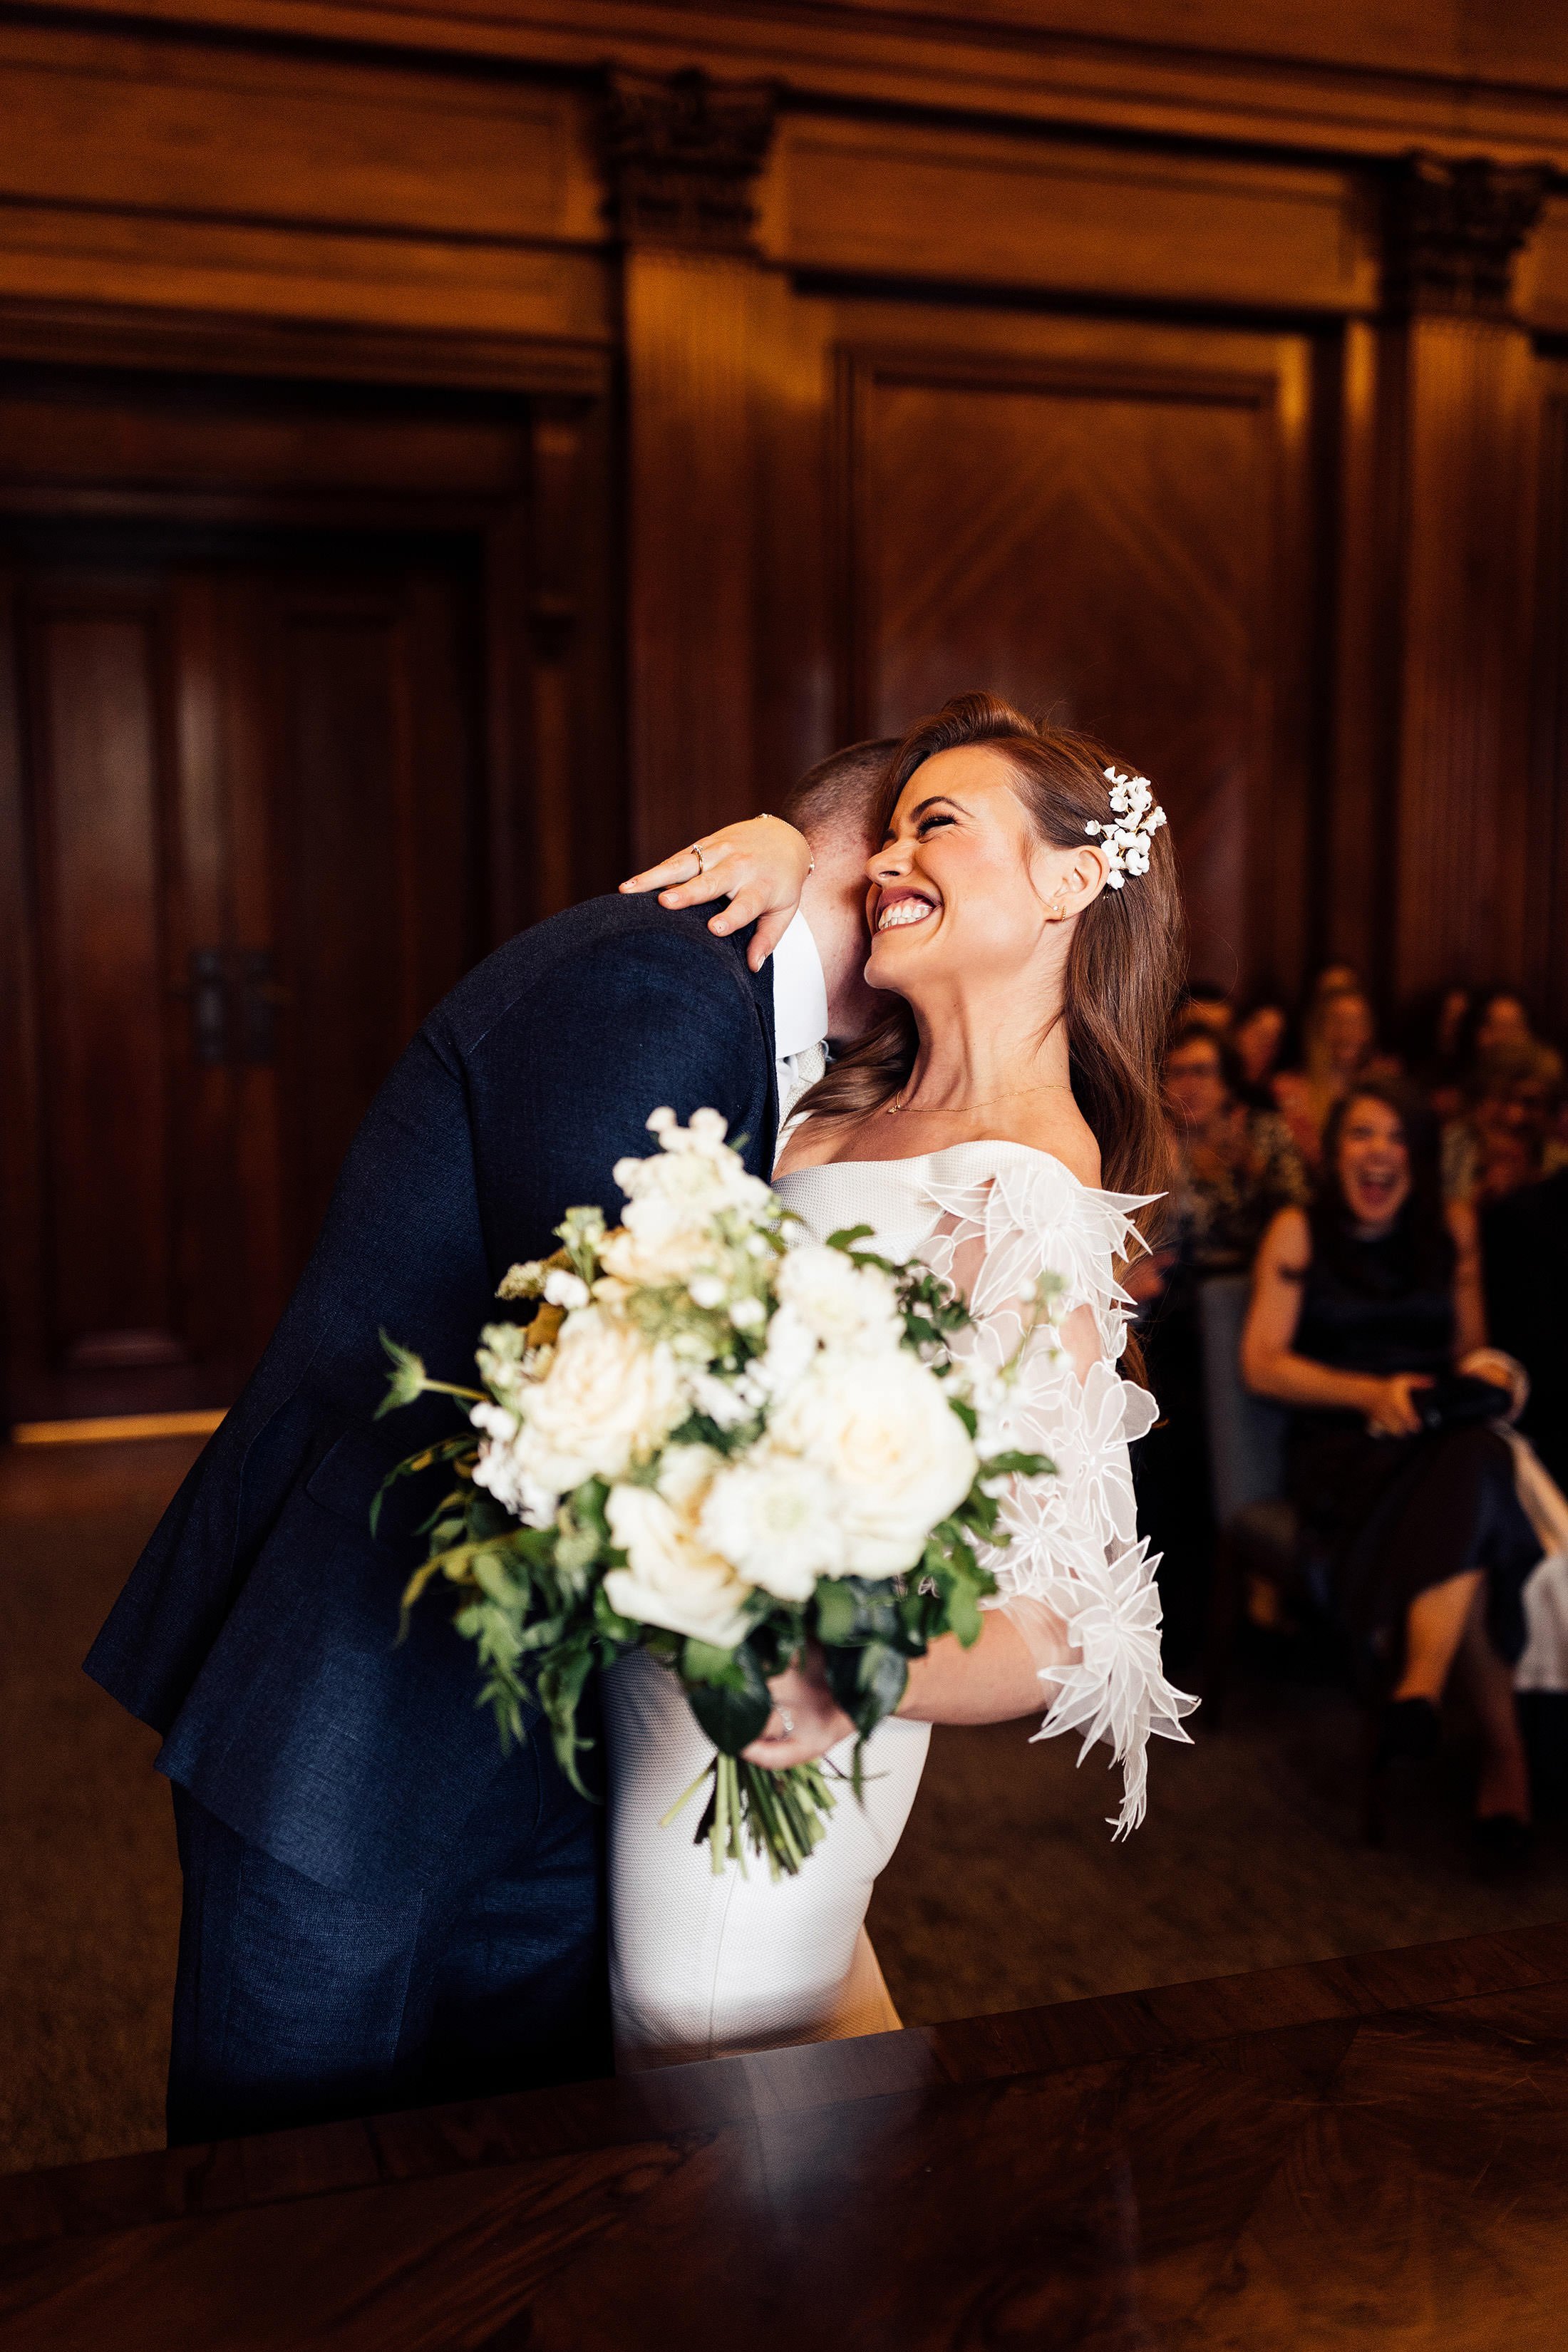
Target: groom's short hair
[[839, 794]]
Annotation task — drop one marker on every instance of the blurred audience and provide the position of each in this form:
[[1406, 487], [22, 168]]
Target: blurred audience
[[1388, 1209], [1385, 1219], [1364, 1309], [1236, 1161]]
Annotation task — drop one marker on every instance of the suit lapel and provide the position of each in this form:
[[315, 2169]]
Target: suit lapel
[[761, 987]]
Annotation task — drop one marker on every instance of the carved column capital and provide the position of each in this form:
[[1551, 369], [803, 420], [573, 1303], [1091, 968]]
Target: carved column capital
[[1452, 229], [681, 156]]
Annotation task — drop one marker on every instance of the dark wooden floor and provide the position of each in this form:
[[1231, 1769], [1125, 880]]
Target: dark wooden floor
[[1006, 1892], [1355, 2152]]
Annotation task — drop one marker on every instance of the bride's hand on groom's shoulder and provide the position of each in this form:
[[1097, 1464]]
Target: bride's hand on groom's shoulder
[[760, 864], [806, 1723]]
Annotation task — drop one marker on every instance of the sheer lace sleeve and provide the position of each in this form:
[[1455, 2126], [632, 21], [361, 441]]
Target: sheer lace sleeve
[[1074, 1548]]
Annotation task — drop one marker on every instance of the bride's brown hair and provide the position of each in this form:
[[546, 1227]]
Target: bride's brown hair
[[1124, 967]]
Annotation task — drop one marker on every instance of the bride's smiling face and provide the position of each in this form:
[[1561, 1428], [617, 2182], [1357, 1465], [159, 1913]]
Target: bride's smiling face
[[963, 883]]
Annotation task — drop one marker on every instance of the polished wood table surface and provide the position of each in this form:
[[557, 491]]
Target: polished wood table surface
[[1370, 2151]]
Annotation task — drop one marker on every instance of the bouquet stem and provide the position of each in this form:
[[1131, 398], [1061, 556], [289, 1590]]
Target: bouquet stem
[[780, 1815]]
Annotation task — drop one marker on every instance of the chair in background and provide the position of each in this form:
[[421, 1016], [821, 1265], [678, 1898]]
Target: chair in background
[[1259, 1533]]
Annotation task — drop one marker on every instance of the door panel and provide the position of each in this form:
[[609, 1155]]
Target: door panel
[[95, 670], [1090, 554], [372, 856], [251, 786], [1104, 521]]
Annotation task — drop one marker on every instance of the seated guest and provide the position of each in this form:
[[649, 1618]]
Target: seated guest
[[1337, 1036], [1208, 1006], [1436, 1045], [1358, 1307], [1259, 1034], [1501, 1140], [1333, 979], [1501, 1022], [1235, 1162], [1524, 1256]]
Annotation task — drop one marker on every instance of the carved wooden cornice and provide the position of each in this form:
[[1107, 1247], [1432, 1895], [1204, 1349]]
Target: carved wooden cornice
[[1452, 230], [681, 156]]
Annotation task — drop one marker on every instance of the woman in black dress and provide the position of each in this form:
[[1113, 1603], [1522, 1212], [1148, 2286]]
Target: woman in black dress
[[1358, 1304]]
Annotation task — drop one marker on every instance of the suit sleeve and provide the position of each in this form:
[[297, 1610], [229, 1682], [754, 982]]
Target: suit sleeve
[[563, 1084]]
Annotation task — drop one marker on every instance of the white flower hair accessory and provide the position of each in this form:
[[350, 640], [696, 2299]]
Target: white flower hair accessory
[[1126, 843]]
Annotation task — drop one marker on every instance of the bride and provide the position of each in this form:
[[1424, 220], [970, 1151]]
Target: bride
[[1004, 1119]]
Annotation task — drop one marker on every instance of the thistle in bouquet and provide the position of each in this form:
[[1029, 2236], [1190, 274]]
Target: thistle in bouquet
[[718, 1442]]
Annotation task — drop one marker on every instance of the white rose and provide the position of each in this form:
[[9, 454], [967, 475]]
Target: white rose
[[844, 1305], [669, 1579], [564, 1288], [881, 1429], [609, 1397], [774, 1516]]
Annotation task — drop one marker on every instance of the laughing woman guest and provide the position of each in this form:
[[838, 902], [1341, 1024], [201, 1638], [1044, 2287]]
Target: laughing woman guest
[[1357, 1307]]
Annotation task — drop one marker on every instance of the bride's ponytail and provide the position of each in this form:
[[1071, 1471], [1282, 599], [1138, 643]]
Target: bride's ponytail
[[1124, 967]]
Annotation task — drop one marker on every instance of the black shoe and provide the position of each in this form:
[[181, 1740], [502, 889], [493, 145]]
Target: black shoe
[[1501, 1842], [1409, 1731]]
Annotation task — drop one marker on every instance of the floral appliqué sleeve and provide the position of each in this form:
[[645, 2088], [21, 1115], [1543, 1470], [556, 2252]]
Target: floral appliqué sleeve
[[1074, 1548]]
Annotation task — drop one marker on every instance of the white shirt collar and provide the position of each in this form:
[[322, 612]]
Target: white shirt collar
[[800, 992]]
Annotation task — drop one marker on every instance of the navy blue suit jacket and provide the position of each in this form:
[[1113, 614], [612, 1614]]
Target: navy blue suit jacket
[[256, 1632]]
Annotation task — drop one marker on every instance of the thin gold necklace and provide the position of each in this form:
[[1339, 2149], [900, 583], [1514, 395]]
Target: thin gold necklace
[[954, 1110]]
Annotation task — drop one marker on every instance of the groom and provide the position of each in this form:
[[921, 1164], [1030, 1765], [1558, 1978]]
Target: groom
[[380, 1910]]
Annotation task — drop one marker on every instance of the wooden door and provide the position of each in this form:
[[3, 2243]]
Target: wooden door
[[247, 779]]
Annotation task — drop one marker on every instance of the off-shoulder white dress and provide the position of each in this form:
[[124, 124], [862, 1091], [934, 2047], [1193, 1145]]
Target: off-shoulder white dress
[[703, 1965]]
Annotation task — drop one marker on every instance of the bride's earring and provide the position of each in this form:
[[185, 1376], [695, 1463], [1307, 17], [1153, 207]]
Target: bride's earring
[[1056, 910]]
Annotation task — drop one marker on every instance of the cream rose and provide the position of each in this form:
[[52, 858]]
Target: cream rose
[[899, 1458], [609, 1398], [669, 1579]]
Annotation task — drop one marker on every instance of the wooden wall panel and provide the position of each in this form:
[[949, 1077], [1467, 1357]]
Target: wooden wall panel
[[1122, 359], [1329, 75], [178, 178], [690, 545], [1545, 963], [959, 207], [1462, 849], [150, 126], [1105, 524]]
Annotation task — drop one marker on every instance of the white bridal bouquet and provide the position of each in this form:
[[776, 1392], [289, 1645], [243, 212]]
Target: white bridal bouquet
[[711, 1443]]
